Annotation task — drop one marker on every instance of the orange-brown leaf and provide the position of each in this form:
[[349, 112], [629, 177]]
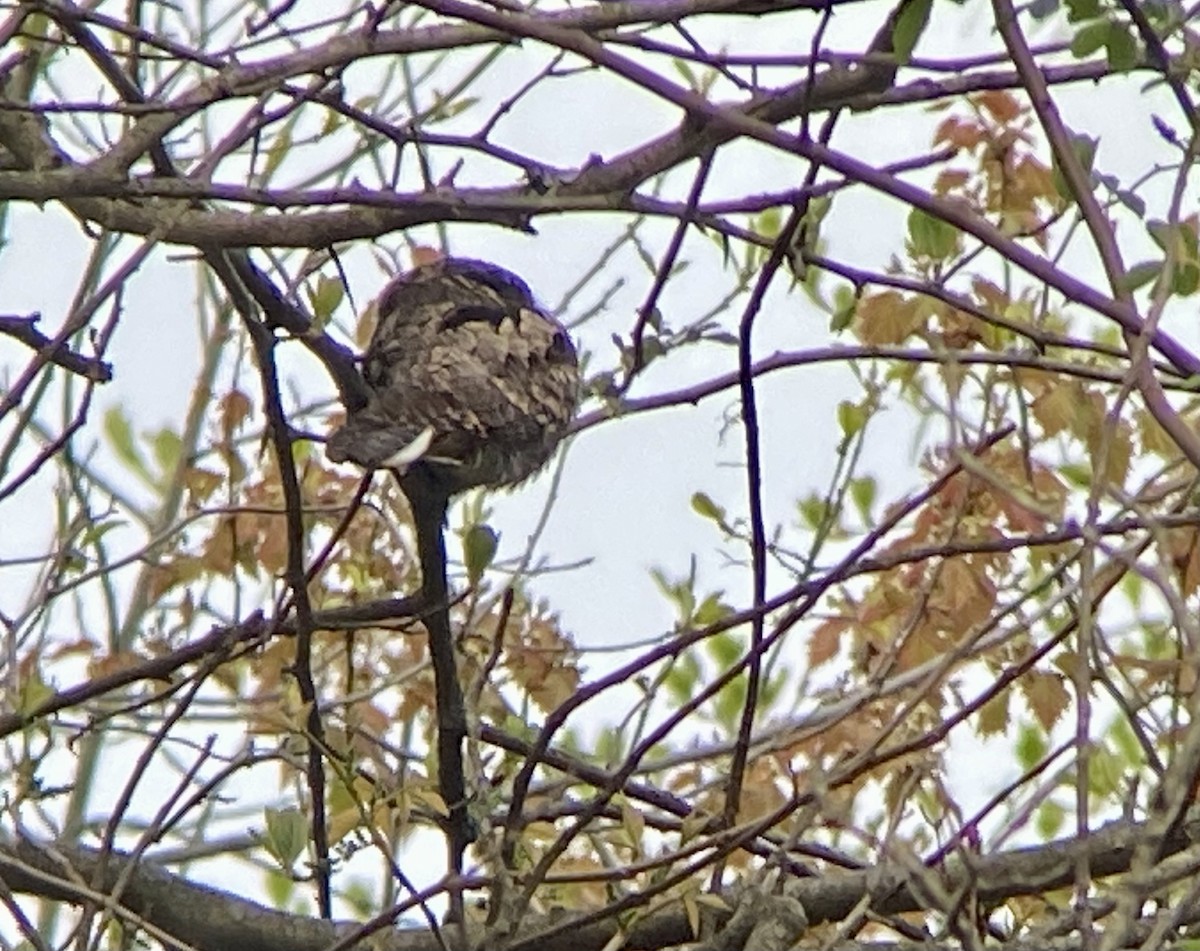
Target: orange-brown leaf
[[825, 642], [555, 687], [201, 483], [1047, 695], [950, 180], [963, 594], [1056, 409], [886, 318], [993, 715], [235, 408], [1111, 453], [169, 574], [956, 132], [423, 254], [1001, 105], [1185, 556], [272, 544], [1154, 438]]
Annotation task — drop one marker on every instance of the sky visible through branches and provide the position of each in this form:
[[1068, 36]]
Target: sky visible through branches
[[873, 546]]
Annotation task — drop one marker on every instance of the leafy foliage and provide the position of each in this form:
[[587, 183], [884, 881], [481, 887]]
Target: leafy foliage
[[936, 619]]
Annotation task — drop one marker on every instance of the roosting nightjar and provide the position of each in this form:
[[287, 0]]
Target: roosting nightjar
[[467, 375]]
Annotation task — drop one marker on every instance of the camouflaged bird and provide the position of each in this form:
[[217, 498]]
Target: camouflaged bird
[[466, 374]]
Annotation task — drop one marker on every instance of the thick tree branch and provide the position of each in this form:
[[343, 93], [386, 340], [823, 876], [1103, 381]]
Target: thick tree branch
[[598, 184], [429, 503], [212, 920]]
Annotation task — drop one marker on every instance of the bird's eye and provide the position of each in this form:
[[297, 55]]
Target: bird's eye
[[471, 313]]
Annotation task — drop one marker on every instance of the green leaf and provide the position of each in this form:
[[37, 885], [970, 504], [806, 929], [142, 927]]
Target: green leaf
[[680, 593], [725, 649], [278, 151], [280, 887], [1077, 474], [1133, 586], [1140, 275], [684, 68], [609, 746], [119, 434], [807, 241], [34, 29], [768, 222], [1158, 645], [851, 417], [167, 447], [1127, 746], [479, 548], [813, 511], [1082, 10], [772, 688], [909, 25], [1049, 819], [862, 494], [1084, 147], [360, 897], [652, 349], [730, 702], [97, 530], [1160, 232], [325, 298], [1186, 279], [518, 727], [333, 121], [705, 507], [32, 693], [931, 237], [1175, 239], [814, 217], [1089, 38], [1164, 14], [682, 679], [712, 610], [845, 303], [1031, 746], [1122, 48], [286, 836]]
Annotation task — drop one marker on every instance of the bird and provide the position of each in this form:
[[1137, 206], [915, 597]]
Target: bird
[[468, 378]]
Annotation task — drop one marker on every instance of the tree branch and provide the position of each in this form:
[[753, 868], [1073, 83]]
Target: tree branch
[[429, 503], [212, 920], [23, 328]]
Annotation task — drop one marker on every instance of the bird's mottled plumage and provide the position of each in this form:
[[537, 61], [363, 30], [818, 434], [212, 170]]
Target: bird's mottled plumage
[[466, 370]]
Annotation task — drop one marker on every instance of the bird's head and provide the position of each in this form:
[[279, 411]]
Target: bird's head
[[452, 292]]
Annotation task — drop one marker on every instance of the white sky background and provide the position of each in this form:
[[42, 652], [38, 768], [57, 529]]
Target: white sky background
[[626, 486]]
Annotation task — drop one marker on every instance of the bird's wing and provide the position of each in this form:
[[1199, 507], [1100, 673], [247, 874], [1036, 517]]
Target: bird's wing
[[462, 360]]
